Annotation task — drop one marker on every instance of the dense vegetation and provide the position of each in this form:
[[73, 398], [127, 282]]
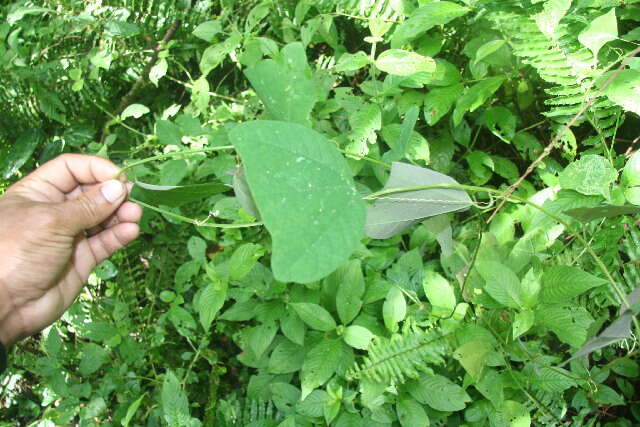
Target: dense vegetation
[[358, 212]]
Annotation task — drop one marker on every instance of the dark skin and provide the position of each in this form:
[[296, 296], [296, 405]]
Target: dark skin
[[56, 225]]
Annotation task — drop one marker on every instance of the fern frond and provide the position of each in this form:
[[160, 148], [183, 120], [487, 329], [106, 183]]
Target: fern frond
[[392, 361]]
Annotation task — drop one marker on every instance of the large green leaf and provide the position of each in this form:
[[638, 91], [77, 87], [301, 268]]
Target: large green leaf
[[305, 195], [390, 214], [319, 365], [570, 324], [591, 175], [440, 393], [400, 62], [315, 316], [561, 283], [501, 283], [600, 31], [624, 90], [175, 195], [286, 85]]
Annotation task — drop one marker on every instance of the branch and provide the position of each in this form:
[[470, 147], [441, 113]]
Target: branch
[[559, 135]]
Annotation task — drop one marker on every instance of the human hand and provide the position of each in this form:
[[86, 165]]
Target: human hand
[[56, 225]]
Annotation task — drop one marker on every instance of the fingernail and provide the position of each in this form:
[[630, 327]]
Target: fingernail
[[112, 190]]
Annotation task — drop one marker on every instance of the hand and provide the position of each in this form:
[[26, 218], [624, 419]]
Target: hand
[[56, 225]]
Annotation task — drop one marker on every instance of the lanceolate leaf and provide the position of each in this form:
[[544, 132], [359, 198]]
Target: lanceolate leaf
[[404, 63], [561, 283], [175, 195], [425, 18], [390, 214], [305, 195], [607, 211]]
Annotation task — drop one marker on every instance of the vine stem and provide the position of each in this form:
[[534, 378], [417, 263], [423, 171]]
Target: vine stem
[[561, 133], [172, 154], [510, 197]]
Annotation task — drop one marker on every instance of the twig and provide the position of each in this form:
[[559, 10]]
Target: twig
[[133, 92], [561, 133]]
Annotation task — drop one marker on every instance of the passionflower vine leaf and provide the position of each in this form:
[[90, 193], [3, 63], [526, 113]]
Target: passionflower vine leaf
[[305, 195], [175, 195]]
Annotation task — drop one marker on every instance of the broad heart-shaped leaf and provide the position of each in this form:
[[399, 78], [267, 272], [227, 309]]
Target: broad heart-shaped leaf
[[607, 211], [400, 62], [601, 30], [286, 85], [175, 195], [561, 283], [625, 90], [618, 330], [393, 213], [305, 195]]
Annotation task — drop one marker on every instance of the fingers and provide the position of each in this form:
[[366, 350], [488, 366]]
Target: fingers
[[105, 243], [68, 171], [93, 207]]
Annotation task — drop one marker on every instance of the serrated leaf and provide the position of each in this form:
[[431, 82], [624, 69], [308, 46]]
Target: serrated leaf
[[591, 175], [365, 122], [243, 259], [175, 195], [400, 62], [260, 338], [440, 393], [175, 405], [286, 358], [93, 357], [320, 364], [134, 110], [314, 316], [393, 213], [211, 301], [553, 379], [501, 283], [570, 324], [561, 283], [306, 197], [600, 31]]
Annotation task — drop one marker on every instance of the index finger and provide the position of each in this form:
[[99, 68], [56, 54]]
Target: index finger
[[68, 171]]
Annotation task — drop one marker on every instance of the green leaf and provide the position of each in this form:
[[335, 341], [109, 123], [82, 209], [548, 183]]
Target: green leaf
[[350, 291], [600, 31], [175, 405], [424, 18], [631, 172], [286, 85], [487, 49], [93, 357], [394, 308], [501, 283], [131, 411], [314, 315], [211, 301], [475, 96], [561, 283], [570, 324], [352, 62], [399, 62], [319, 365], [293, 328], [512, 414], [364, 124], [168, 133], [439, 393], [607, 211], [357, 337], [243, 194], [473, 356], [552, 379], [411, 413], [16, 155], [215, 54], [197, 247], [303, 189], [439, 101], [20, 12], [208, 30], [501, 122], [134, 110], [440, 293], [591, 175], [522, 322], [243, 259], [313, 405], [624, 90], [286, 358], [390, 214], [158, 71], [175, 195], [260, 338]]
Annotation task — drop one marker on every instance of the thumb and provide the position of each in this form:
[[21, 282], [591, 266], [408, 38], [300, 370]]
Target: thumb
[[93, 207]]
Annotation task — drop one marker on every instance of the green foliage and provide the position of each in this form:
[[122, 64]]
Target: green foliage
[[315, 247]]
